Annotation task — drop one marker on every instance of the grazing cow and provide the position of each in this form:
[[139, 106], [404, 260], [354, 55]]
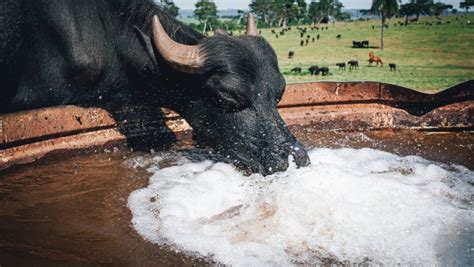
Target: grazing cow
[[312, 40], [273, 31], [393, 66], [373, 58], [302, 34], [317, 37], [307, 41], [314, 70], [324, 70], [291, 54], [116, 54], [353, 64], [342, 66], [302, 43], [357, 44], [296, 70], [338, 36], [365, 44]]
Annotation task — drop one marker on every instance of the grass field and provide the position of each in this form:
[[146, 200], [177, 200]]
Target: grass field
[[428, 58]]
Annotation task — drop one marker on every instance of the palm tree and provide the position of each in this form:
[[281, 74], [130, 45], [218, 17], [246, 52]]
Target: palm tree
[[386, 9]]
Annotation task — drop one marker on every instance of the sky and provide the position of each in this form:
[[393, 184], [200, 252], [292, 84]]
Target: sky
[[243, 4]]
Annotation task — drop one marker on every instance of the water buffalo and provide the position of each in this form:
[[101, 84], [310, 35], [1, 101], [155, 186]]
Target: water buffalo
[[393, 66], [118, 53], [342, 65], [324, 70], [296, 70], [314, 70], [353, 64]]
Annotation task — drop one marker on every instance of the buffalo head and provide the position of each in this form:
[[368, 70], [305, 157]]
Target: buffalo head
[[240, 85]]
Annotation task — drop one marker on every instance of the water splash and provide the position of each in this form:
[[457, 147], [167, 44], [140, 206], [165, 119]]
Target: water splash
[[352, 206]]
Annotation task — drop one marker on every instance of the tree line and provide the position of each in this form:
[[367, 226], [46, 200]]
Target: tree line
[[282, 13]]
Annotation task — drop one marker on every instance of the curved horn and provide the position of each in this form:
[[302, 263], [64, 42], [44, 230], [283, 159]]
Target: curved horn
[[251, 27], [186, 58]]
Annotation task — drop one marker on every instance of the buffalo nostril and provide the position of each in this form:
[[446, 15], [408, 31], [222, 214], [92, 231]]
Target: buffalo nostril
[[300, 155]]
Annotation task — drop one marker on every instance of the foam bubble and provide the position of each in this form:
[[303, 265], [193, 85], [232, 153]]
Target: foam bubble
[[348, 205]]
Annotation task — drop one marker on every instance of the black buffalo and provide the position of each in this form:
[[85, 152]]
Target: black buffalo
[[296, 70], [120, 53], [314, 70], [353, 64], [324, 71]]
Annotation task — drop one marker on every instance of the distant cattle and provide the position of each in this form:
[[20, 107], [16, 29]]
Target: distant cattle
[[353, 64], [276, 36], [307, 41], [312, 40], [317, 37], [291, 54], [296, 70], [365, 44], [324, 70], [301, 34], [338, 36], [357, 44], [314, 70], [393, 66], [342, 66], [302, 43], [373, 58]]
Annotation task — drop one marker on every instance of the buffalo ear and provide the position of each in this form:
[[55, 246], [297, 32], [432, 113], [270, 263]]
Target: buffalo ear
[[146, 42]]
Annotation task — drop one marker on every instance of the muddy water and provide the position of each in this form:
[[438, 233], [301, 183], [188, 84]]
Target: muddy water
[[73, 210]]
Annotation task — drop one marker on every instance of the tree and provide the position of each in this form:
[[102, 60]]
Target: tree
[[287, 10], [437, 9], [466, 4], [318, 11], [265, 10], [386, 9], [206, 12], [407, 10], [170, 7], [422, 7]]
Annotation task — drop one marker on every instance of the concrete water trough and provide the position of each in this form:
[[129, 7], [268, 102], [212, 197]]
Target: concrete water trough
[[385, 159], [325, 106]]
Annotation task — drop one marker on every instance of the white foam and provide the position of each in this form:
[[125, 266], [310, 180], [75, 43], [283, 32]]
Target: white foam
[[349, 205]]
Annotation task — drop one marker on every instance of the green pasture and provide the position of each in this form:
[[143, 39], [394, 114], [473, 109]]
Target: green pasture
[[428, 58]]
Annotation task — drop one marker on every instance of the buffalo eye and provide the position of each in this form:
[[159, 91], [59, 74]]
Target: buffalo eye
[[229, 92]]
